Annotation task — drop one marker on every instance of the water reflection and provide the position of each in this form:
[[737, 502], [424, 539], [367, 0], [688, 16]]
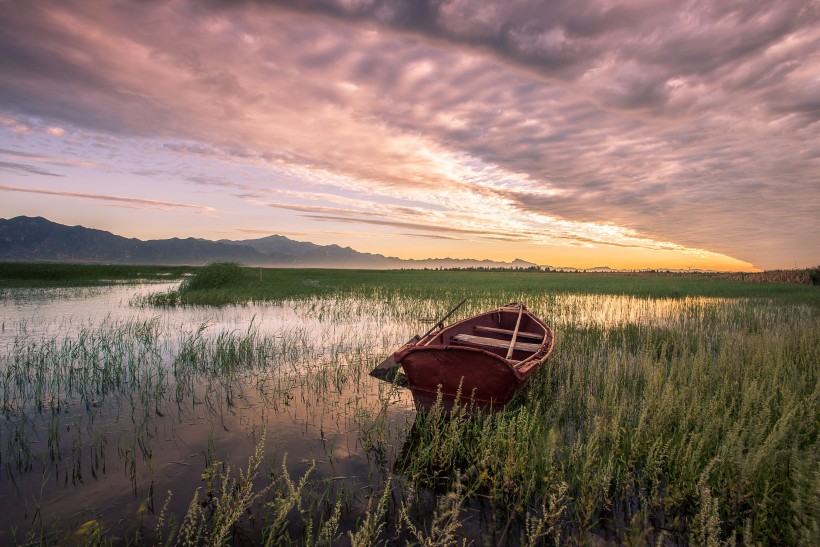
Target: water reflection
[[108, 406]]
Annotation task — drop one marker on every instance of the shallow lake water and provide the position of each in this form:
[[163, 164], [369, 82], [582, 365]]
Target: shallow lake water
[[109, 405], [77, 448]]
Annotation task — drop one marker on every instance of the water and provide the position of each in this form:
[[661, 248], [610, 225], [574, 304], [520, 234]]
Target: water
[[62, 311], [111, 452]]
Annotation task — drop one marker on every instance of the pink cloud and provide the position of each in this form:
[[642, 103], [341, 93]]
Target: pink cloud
[[138, 203]]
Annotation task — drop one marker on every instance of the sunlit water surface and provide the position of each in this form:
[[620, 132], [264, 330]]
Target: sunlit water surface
[[113, 453]]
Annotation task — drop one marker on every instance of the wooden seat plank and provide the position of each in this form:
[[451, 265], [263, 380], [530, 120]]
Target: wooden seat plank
[[493, 343], [529, 335]]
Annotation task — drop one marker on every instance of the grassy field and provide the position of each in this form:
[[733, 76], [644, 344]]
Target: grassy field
[[24, 274], [673, 411], [276, 284], [261, 285]]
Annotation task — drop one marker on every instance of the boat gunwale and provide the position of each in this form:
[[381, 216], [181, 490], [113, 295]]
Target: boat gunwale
[[522, 369]]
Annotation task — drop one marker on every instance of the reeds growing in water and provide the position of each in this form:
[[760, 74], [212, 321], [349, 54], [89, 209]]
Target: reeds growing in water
[[657, 419]]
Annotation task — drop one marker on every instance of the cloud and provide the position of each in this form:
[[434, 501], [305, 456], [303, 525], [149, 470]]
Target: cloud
[[67, 162], [394, 224], [340, 212], [458, 226], [690, 124], [25, 169], [137, 203], [220, 182], [433, 236]]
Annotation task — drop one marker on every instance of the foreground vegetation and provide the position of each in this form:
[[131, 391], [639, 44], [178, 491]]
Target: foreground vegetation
[[703, 433], [673, 411]]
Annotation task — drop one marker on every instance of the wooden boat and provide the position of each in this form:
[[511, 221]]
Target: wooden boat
[[484, 358]]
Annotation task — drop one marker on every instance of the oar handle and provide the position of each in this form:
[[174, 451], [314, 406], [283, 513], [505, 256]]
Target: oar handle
[[440, 323]]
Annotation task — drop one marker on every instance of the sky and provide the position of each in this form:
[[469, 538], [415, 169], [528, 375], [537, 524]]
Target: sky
[[634, 134]]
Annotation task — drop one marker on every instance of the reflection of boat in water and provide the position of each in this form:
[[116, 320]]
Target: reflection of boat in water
[[484, 358]]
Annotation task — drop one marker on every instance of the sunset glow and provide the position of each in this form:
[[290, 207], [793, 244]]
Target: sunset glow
[[642, 135]]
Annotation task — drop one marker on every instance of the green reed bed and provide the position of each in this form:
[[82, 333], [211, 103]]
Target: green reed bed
[[24, 274], [272, 284]]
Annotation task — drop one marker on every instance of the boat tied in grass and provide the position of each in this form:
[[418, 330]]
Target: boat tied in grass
[[482, 359]]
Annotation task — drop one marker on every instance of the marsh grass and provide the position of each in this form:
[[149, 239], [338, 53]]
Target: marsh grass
[[710, 438], [278, 285], [23, 274], [814, 275], [213, 276], [672, 419]]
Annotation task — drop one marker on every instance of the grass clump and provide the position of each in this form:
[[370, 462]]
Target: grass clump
[[216, 284], [213, 276]]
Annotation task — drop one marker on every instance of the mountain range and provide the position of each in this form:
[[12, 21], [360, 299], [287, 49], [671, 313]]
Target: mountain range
[[36, 239]]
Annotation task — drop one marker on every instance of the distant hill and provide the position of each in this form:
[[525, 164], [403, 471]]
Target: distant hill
[[36, 239], [284, 251]]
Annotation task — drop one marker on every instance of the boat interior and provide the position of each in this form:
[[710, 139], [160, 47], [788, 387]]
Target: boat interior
[[494, 333]]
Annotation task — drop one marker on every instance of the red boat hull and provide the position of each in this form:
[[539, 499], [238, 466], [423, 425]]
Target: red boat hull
[[471, 360], [471, 373]]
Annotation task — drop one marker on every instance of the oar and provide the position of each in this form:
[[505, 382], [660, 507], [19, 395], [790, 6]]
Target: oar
[[388, 368], [440, 323], [515, 332]]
